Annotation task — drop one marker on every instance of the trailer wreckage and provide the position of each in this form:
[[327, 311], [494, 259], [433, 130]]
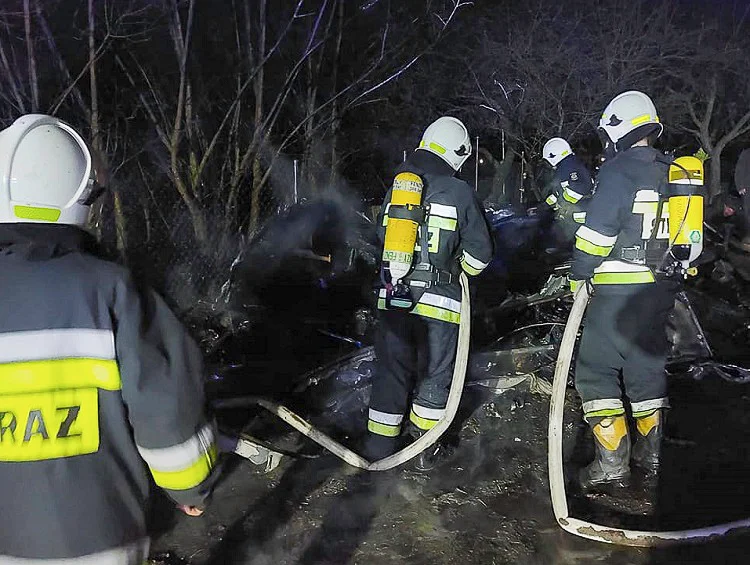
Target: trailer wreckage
[[329, 402]]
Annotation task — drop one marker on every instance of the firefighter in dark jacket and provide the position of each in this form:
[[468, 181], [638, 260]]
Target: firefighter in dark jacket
[[570, 188], [624, 334], [96, 378], [456, 237]]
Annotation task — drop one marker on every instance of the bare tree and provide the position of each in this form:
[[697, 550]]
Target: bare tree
[[715, 90], [31, 57]]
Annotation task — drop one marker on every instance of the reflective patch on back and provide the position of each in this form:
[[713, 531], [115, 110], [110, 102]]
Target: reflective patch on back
[[48, 425], [647, 204]]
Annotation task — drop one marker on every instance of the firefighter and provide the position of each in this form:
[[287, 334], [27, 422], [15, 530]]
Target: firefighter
[[419, 328], [96, 377], [570, 188], [624, 335]]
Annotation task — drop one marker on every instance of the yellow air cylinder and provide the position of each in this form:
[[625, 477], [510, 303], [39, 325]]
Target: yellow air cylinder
[[686, 209], [401, 233]]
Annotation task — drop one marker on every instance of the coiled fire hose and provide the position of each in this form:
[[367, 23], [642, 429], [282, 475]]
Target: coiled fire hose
[[410, 451], [589, 530]]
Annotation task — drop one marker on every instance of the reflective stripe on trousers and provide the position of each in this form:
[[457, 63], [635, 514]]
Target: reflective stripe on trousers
[[133, 554]]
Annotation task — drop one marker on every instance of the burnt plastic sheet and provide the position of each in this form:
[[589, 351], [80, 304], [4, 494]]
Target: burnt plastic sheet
[[525, 353], [712, 369]]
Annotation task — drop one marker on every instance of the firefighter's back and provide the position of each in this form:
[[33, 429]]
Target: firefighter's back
[[71, 480]]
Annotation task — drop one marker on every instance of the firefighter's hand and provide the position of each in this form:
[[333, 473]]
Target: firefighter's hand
[[190, 510]]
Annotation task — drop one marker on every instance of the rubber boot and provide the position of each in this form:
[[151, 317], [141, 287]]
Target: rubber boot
[[647, 449], [376, 446], [611, 465], [430, 457]]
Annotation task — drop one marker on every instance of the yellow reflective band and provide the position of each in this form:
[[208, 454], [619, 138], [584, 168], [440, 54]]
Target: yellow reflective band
[[469, 269], [434, 146], [436, 313], [385, 220], [638, 277], [58, 374], [564, 153], [605, 412], [593, 249], [551, 199], [569, 198], [189, 477], [383, 429], [442, 223], [439, 148], [649, 208], [49, 425], [643, 119], [429, 311], [579, 217], [422, 423], [37, 213], [574, 284]]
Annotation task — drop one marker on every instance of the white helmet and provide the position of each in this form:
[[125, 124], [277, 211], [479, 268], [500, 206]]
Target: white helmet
[[630, 117], [447, 138], [555, 150], [46, 173]]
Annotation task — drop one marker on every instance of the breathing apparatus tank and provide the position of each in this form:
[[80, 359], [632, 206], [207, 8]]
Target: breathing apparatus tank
[[685, 212], [405, 214]]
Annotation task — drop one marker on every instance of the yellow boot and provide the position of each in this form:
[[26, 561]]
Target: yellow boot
[[611, 464]]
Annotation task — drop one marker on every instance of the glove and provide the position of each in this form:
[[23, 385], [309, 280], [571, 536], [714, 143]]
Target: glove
[[564, 211]]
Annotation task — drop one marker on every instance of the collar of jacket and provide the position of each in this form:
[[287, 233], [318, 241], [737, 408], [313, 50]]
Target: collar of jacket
[[643, 153], [42, 241], [423, 162]]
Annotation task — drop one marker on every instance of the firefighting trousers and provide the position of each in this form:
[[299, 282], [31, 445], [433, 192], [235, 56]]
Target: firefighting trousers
[[624, 346], [411, 350]]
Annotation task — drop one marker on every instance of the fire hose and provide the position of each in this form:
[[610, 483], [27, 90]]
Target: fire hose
[[413, 449], [581, 528]]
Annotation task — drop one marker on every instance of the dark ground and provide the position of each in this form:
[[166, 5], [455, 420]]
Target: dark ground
[[489, 502]]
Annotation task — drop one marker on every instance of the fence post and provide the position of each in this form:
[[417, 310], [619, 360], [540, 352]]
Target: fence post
[[502, 136], [295, 180], [523, 175], [476, 168]]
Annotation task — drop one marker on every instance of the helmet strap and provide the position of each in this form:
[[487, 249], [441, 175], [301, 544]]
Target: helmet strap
[[91, 193]]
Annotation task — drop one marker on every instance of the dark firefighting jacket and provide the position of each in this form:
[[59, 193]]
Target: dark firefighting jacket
[[571, 188], [621, 217], [457, 234], [99, 384]]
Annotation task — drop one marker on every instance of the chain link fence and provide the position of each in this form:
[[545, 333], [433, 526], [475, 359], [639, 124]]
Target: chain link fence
[[161, 248]]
